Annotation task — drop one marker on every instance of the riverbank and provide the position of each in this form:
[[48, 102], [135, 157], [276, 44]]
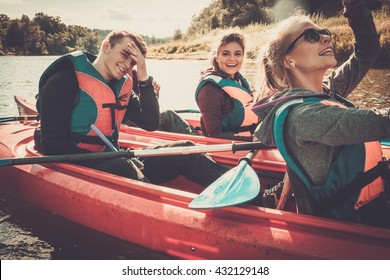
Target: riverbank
[[179, 56]]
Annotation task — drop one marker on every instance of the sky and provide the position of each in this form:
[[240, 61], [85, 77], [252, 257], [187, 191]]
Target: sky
[[159, 18]]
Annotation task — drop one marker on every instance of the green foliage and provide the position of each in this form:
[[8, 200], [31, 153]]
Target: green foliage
[[197, 46], [239, 13], [49, 24], [45, 35]]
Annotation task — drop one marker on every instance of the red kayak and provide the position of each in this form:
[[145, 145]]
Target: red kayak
[[25, 106], [158, 217]]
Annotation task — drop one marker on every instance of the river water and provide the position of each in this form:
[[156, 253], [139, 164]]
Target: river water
[[27, 232], [19, 75]]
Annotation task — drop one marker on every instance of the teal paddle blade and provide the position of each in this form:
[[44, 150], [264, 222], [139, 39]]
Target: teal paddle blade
[[385, 142], [236, 186]]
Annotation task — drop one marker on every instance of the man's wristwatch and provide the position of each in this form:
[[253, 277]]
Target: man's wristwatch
[[147, 82]]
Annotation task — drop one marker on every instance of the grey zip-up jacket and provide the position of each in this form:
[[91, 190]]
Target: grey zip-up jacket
[[315, 132]]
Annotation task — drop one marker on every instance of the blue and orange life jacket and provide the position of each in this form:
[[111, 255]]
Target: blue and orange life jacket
[[241, 118], [352, 161], [98, 103]]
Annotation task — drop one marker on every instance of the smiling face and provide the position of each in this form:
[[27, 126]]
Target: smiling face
[[230, 57], [309, 56], [294, 55], [117, 60]]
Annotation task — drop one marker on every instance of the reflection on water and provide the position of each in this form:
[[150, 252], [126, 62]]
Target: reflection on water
[[372, 92], [30, 233]]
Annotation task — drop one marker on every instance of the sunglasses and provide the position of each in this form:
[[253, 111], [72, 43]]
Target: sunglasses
[[311, 35]]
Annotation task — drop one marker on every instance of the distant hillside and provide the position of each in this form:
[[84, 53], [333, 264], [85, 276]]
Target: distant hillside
[[232, 13], [197, 46]]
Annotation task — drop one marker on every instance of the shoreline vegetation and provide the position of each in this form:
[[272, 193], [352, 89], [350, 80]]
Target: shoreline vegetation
[[197, 47], [47, 35]]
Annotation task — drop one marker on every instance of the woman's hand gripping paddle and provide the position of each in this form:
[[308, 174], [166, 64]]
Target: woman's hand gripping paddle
[[236, 186]]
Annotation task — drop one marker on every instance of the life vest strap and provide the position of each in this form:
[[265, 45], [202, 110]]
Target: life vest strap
[[87, 139], [304, 200], [113, 107], [361, 180], [251, 128]]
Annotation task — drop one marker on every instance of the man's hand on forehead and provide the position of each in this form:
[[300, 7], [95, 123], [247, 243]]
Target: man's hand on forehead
[[139, 59]]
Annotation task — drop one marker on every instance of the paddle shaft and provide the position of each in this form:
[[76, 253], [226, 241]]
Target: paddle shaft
[[104, 138], [248, 157], [63, 158], [36, 117], [21, 118], [184, 150], [187, 111], [135, 160]]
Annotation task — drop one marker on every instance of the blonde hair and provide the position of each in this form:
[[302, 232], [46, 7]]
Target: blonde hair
[[272, 75], [223, 39]]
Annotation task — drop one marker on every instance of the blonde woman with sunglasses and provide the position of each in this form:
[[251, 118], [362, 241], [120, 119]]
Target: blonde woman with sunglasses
[[328, 144]]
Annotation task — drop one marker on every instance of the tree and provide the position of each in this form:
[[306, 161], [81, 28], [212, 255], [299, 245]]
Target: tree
[[230, 13], [49, 24], [214, 22], [177, 35], [13, 36], [91, 43], [57, 43], [76, 34], [4, 23]]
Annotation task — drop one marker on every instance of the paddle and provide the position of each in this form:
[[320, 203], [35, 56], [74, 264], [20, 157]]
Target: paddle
[[104, 138], [187, 111], [136, 161], [385, 142], [236, 186], [21, 118], [35, 117], [171, 151]]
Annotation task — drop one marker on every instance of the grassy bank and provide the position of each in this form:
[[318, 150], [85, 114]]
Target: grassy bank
[[198, 47]]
